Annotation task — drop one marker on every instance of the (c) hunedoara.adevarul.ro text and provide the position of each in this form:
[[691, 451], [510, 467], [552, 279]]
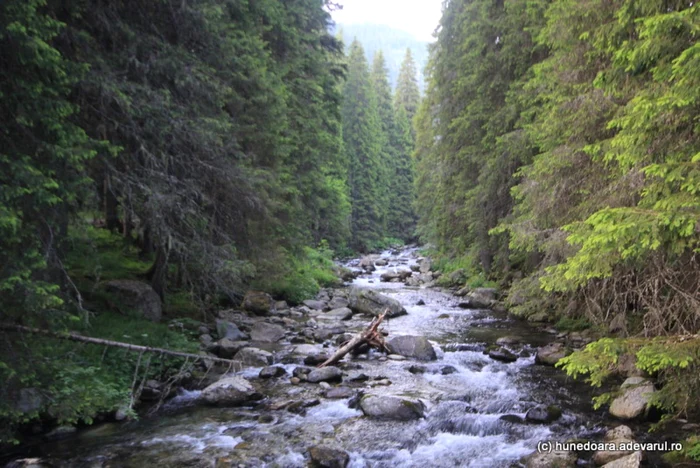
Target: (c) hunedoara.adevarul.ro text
[[592, 446]]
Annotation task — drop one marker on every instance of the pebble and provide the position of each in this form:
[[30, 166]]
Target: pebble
[[325, 385]]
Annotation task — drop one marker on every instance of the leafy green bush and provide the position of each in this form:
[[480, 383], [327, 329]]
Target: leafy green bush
[[572, 324]]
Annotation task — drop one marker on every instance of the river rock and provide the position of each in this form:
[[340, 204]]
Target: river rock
[[259, 303], [392, 407], [551, 353], [253, 357], [425, 265], [381, 262], [366, 301], [338, 302], [630, 461], [503, 355], [324, 456], [267, 332], [542, 414], [135, 296], [325, 374], [554, 459], [617, 436], [337, 314], [227, 349], [367, 264], [230, 331], [271, 372], [229, 391], [307, 350], [417, 347], [315, 305], [634, 400]]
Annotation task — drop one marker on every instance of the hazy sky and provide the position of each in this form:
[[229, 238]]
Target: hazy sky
[[419, 17]]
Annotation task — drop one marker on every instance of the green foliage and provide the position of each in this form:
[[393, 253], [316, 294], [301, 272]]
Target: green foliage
[[572, 324], [302, 276]]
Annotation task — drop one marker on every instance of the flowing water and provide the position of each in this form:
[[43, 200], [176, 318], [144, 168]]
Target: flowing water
[[462, 427]]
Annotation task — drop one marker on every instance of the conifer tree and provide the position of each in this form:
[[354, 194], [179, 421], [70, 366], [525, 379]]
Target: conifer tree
[[407, 91], [362, 137]]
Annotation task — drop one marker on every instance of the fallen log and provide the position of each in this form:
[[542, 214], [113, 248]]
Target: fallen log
[[115, 344], [370, 336]]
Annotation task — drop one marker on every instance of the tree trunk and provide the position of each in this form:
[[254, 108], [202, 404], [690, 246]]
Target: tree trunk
[[115, 344]]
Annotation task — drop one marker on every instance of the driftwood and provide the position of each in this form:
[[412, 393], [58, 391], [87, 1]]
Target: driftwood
[[370, 336], [115, 344]]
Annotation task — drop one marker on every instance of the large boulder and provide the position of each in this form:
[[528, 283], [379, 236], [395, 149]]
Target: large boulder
[[425, 265], [135, 296], [392, 407], [543, 414], [338, 302], [618, 436], [367, 264], [227, 349], [337, 314], [315, 305], [267, 332], [325, 374], [630, 461], [553, 459], [324, 456], [417, 347], [228, 330], [551, 354], [636, 392], [253, 357], [259, 303], [366, 301], [230, 391], [503, 355]]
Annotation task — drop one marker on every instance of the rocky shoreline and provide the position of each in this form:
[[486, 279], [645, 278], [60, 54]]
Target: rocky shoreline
[[280, 346]]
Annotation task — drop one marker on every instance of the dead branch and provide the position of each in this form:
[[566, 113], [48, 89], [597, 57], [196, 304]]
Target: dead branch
[[115, 344], [370, 336]]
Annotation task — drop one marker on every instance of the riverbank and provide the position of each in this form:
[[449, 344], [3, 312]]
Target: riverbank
[[475, 404]]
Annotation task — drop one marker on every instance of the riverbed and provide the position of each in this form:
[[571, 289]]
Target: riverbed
[[473, 403]]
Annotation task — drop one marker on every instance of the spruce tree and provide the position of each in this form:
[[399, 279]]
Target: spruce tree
[[407, 91], [363, 147]]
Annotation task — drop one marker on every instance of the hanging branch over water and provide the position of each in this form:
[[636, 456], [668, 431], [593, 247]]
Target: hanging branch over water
[[115, 344], [370, 336]]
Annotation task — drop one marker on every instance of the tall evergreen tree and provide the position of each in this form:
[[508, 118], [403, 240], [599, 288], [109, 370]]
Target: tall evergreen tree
[[362, 136], [407, 91]]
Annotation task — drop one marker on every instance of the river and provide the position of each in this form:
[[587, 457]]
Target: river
[[466, 394]]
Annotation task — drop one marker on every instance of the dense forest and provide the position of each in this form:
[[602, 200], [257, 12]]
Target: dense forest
[[558, 155], [207, 148], [203, 148], [391, 42]]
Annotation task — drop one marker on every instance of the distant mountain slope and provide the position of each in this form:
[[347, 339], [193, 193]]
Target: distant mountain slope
[[393, 42]]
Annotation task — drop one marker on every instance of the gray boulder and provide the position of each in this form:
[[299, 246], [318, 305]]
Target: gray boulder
[[551, 354], [337, 314], [267, 332], [554, 459], [503, 355], [226, 348], [253, 357], [392, 407], [417, 347], [271, 372], [228, 330], [259, 303], [619, 435], [324, 456], [630, 461], [229, 391], [366, 301], [636, 392], [543, 414], [315, 305], [136, 296], [338, 302], [325, 374]]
